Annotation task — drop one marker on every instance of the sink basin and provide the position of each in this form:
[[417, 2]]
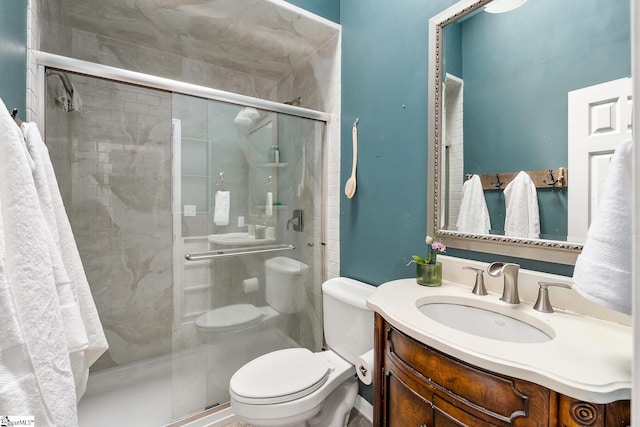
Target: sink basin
[[484, 323], [238, 239]]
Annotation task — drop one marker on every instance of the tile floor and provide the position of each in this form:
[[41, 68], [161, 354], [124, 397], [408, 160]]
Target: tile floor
[[355, 420]]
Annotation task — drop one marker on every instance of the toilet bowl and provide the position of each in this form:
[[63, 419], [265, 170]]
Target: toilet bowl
[[296, 387]]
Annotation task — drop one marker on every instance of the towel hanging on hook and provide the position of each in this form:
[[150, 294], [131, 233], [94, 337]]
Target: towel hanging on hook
[[14, 116]]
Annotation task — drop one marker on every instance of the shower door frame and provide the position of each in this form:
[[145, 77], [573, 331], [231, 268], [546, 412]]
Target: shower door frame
[[46, 60], [92, 69]]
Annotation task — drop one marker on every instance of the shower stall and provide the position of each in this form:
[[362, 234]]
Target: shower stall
[[181, 198]]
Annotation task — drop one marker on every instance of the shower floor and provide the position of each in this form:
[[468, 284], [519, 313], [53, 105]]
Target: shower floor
[[137, 394], [146, 404], [146, 394]]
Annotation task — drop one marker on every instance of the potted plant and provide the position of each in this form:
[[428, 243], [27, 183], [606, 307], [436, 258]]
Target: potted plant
[[428, 269]]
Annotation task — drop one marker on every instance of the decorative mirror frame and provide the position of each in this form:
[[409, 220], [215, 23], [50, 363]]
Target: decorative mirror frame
[[541, 250]]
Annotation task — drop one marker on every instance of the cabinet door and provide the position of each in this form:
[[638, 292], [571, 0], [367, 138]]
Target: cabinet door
[[576, 413], [405, 408]]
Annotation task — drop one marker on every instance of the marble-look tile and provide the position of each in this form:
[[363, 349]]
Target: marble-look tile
[[261, 51], [116, 179], [257, 37]]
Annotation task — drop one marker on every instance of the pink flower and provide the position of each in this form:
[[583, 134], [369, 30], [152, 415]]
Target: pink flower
[[428, 240], [438, 246]]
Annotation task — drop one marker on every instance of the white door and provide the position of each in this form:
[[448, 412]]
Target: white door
[[599, 120]]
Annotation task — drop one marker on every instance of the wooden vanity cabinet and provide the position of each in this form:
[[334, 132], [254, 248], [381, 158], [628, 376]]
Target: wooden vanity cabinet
[[418, 386]]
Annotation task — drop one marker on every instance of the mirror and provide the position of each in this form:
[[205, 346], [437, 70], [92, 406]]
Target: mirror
[[515, 71]]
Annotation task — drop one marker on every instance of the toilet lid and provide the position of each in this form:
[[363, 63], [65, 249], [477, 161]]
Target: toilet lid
[[279, 376], [230, 317]]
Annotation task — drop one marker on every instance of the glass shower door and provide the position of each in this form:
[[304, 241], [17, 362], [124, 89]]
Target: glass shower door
[[247, 210]]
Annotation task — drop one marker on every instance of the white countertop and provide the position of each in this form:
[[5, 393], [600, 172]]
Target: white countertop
[[588, 358]]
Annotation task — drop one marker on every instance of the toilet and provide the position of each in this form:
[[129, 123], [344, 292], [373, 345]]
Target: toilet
[[284, 294], [296, 387]]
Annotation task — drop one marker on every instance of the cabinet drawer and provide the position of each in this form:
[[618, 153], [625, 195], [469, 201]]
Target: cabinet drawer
[[406, 408], [507, 400], [447, 415]]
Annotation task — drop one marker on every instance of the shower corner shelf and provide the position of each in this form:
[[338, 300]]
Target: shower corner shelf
[[271, 165]]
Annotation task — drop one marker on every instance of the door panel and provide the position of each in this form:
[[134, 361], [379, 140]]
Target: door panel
[[599, 120]]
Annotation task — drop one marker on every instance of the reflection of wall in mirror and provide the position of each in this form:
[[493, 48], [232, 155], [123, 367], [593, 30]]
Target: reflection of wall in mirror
[[517, 69]]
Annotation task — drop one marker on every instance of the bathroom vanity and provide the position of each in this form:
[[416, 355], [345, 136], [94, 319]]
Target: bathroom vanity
[[417, 385], [430, 374]]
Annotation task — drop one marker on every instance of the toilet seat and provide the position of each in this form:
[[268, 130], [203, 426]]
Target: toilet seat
[[280, 376], [230, 318]]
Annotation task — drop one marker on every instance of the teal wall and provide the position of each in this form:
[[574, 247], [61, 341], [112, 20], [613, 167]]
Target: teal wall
[[523, 64], [384, 83], [13, 54], [329, 9]]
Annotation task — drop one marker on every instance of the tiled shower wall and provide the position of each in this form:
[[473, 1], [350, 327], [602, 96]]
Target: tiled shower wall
[[113, 160], [317, 82], [455, 149]]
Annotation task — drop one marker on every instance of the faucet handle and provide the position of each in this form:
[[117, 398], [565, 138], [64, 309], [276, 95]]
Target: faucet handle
[[543, 304], [478, 288]]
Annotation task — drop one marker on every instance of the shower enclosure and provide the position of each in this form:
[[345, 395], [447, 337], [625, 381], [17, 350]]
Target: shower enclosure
[[177, 202]]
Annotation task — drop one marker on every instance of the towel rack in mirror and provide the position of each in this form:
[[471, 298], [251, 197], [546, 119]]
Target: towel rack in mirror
[[542, 178]]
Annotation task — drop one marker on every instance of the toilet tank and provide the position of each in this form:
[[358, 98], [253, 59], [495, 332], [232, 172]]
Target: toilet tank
[[284, 284], [348, 322]]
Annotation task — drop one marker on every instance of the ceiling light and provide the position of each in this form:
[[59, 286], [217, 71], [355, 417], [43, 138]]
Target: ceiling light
[[500, 6]]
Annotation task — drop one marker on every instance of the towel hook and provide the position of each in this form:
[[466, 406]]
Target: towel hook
[[220, 179], [499, 183], [14, 113], [355, 124], [553, 180]]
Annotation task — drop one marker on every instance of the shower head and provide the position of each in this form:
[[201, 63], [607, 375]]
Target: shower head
[[247, 116], [63, 91]]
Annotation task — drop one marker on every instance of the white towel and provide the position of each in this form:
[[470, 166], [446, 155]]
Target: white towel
[[603, 269], [521, 200], [19, 393], [268, 207], [29, 267], [221, 208], [85, 335], [474, 215]]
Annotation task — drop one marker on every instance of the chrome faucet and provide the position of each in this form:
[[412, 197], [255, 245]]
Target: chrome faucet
[[510, 272]]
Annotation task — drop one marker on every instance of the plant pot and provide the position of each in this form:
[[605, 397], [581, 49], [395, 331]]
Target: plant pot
[[429, 274]]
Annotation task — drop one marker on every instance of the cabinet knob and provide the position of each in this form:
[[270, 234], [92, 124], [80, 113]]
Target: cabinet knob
[[543, 304]]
